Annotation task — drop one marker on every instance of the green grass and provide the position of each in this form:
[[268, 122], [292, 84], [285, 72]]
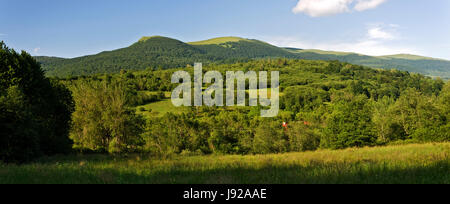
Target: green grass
[[408, 57], [217, 41], [414, 163], [160, 108], [324, 52], [145, 38], [167, 94]]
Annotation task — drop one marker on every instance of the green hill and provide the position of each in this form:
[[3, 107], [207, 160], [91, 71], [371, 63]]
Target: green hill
[[405, 62], [150, 52], [157, 52], [408, 56]]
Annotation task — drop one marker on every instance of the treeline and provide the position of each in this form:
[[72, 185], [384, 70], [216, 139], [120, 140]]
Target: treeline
[[325, 104]]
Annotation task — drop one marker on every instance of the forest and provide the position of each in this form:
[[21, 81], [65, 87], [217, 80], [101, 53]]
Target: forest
[[157, 52], [326, 105]]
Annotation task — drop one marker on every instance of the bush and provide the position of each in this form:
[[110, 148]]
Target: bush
[[174, 134], [302, 138], [270, 138], [432, 134]]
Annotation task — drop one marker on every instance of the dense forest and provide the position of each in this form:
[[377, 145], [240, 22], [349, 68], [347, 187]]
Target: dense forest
[[326, 105], [152, 53]]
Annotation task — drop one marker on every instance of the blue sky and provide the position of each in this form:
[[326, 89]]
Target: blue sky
[[71, 28]]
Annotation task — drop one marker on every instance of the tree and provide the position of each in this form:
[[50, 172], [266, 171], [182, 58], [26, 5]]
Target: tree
[[173, 134], [444, 101], [270, 138], [386, 128], [349, 124], [19, 139], [302, 138], [35, 112], [103, 119], [418, 115]]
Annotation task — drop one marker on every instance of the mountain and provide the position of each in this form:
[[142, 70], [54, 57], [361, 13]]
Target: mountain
[[157, 52], [412, 63], [154, 52]]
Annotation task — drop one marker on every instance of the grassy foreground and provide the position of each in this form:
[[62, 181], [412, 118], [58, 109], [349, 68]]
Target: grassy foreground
[[416, 163]]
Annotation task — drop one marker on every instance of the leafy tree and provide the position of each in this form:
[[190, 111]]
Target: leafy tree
[[36, 112], [417, 114], [173, 134], [228, 129], [444, 101], [103, 119], [19, 138], [302, 138], [384, 122], [349, 124], [270, 138]]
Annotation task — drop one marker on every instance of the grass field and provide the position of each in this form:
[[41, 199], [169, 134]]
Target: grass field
[[424, 163], [160, 108], [216, 41]]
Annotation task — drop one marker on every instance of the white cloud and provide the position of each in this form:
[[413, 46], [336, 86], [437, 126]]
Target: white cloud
[[379, 33], [363, 5], [318, 8], [362, 46], [36, 50], [372, 47], [379, 40]]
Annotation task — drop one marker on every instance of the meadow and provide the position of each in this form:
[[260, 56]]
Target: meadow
[[159, 109], [401, 164], [324, 106]]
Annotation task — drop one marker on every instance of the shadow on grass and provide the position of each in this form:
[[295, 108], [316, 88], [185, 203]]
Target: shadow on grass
[[366, 172]]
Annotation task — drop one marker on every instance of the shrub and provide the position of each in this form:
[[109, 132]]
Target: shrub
[[302, 138], [270, 138]]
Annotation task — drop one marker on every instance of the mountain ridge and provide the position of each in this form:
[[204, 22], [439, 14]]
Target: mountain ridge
[[159, 52]]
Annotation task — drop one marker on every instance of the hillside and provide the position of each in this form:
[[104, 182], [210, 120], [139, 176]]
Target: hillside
[[157, 52], [154, 52], [418, 64]]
